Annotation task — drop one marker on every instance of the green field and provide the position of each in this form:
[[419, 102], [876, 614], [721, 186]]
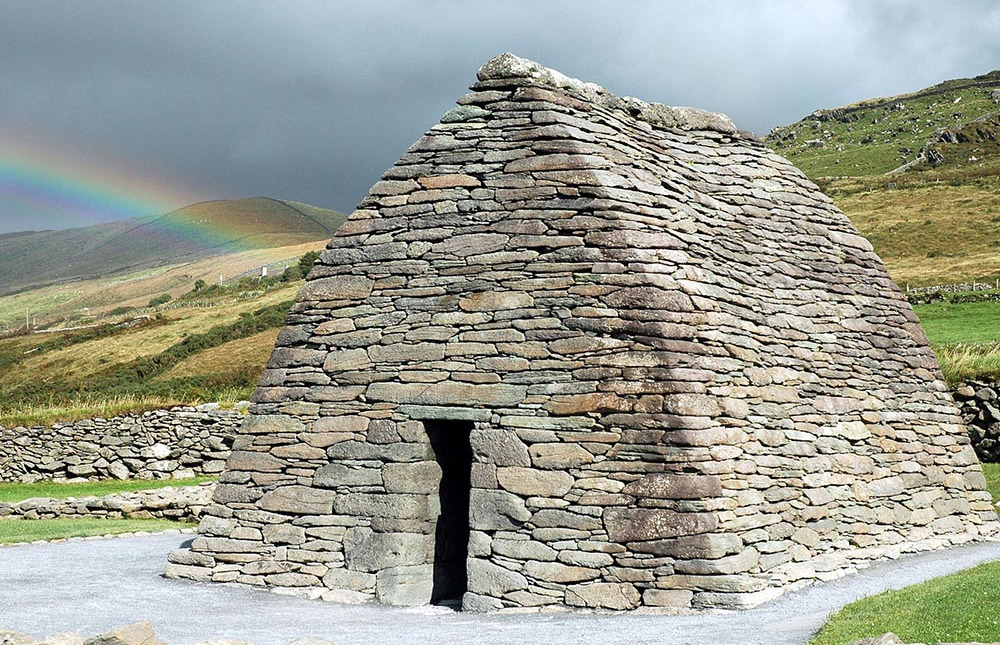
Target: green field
[[959, 608], [16, 492], [965, 337], [14, 531]]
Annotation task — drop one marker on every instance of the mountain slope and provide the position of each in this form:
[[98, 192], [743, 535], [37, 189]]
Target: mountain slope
[[34, 259]]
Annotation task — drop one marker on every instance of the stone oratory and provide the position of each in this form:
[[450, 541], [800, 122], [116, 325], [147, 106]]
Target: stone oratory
[[581, 350]]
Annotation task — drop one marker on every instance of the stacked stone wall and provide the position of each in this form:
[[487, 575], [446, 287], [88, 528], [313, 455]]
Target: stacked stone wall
[[160, 444], [688, 380], [980, 405]]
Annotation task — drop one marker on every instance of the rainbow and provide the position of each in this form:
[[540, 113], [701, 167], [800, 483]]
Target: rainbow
[[53, 186]]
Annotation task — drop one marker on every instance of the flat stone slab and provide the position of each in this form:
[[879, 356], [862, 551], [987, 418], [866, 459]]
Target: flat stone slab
[[94, 586]]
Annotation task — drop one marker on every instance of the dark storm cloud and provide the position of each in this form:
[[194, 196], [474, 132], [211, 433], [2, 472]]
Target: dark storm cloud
[[312, 100]]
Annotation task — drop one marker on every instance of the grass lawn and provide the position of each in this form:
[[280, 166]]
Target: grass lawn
[[959, 608], [12, 531], [965, 337], [16, 492], [969, 322]]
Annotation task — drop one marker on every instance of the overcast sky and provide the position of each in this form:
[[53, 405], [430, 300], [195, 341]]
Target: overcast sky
[[115, 108]]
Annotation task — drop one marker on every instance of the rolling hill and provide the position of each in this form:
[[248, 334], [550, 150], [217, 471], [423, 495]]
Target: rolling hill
[[918, 174], [877, 136], [29, 260]]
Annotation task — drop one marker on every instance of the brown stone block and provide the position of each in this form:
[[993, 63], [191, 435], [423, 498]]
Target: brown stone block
[[272, 424], [449, 181], [673, 486], [571, 404], [641, 524], [530, 481], [677, 598], [252, 461], [738, 583], [495, 301], [688, 547], [299, 500], [559, 456], [346, 360], [340, 287]]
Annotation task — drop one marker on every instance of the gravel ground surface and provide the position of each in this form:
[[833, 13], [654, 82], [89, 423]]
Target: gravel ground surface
[[92, 586]]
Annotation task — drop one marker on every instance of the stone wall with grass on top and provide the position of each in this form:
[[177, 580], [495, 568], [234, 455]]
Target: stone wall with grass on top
[[161, 444]]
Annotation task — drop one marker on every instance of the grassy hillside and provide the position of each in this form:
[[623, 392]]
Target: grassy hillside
[[89, 301], [918, 174], [878, 135], [178, 355], [209, 229]]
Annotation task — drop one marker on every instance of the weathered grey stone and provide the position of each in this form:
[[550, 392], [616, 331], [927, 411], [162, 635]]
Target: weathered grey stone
[[336, 474], [494, 509], [603, 595], [365, 550], [641, 524], [493, 580], [559, 455], [420, 477], [348, 579], [135, 634], [341, 287], [670, 486], [283, 534], [679, 368], [396, 505], [405, 586], [556, 572], [499, 447], [529, 482], [524, 550]]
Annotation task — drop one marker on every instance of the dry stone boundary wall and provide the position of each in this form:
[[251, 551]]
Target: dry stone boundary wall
[[160, 444], [980, 406], [180, 503]]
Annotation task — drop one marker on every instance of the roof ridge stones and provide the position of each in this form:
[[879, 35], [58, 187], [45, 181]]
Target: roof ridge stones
[[501, 69]]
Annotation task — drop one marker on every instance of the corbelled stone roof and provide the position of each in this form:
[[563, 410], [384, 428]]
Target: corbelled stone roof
[[685, 378]]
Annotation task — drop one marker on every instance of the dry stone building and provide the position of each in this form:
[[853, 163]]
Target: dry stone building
[[582, 350]]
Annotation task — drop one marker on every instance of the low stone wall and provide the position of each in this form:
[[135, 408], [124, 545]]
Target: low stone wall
[[980, 405], [161, 444], [180, 503], [136, 634]]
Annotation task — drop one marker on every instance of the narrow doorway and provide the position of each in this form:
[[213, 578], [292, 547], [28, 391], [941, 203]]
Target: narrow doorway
[[453, 452]]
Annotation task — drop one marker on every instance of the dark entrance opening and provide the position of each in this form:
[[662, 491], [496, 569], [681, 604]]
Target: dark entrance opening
[[450, 442]]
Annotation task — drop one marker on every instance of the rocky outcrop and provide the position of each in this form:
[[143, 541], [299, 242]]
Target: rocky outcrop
[[178, 503], [674, 372], [161, 444]]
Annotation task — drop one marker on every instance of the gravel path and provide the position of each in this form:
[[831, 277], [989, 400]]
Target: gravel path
[[93, 586]]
